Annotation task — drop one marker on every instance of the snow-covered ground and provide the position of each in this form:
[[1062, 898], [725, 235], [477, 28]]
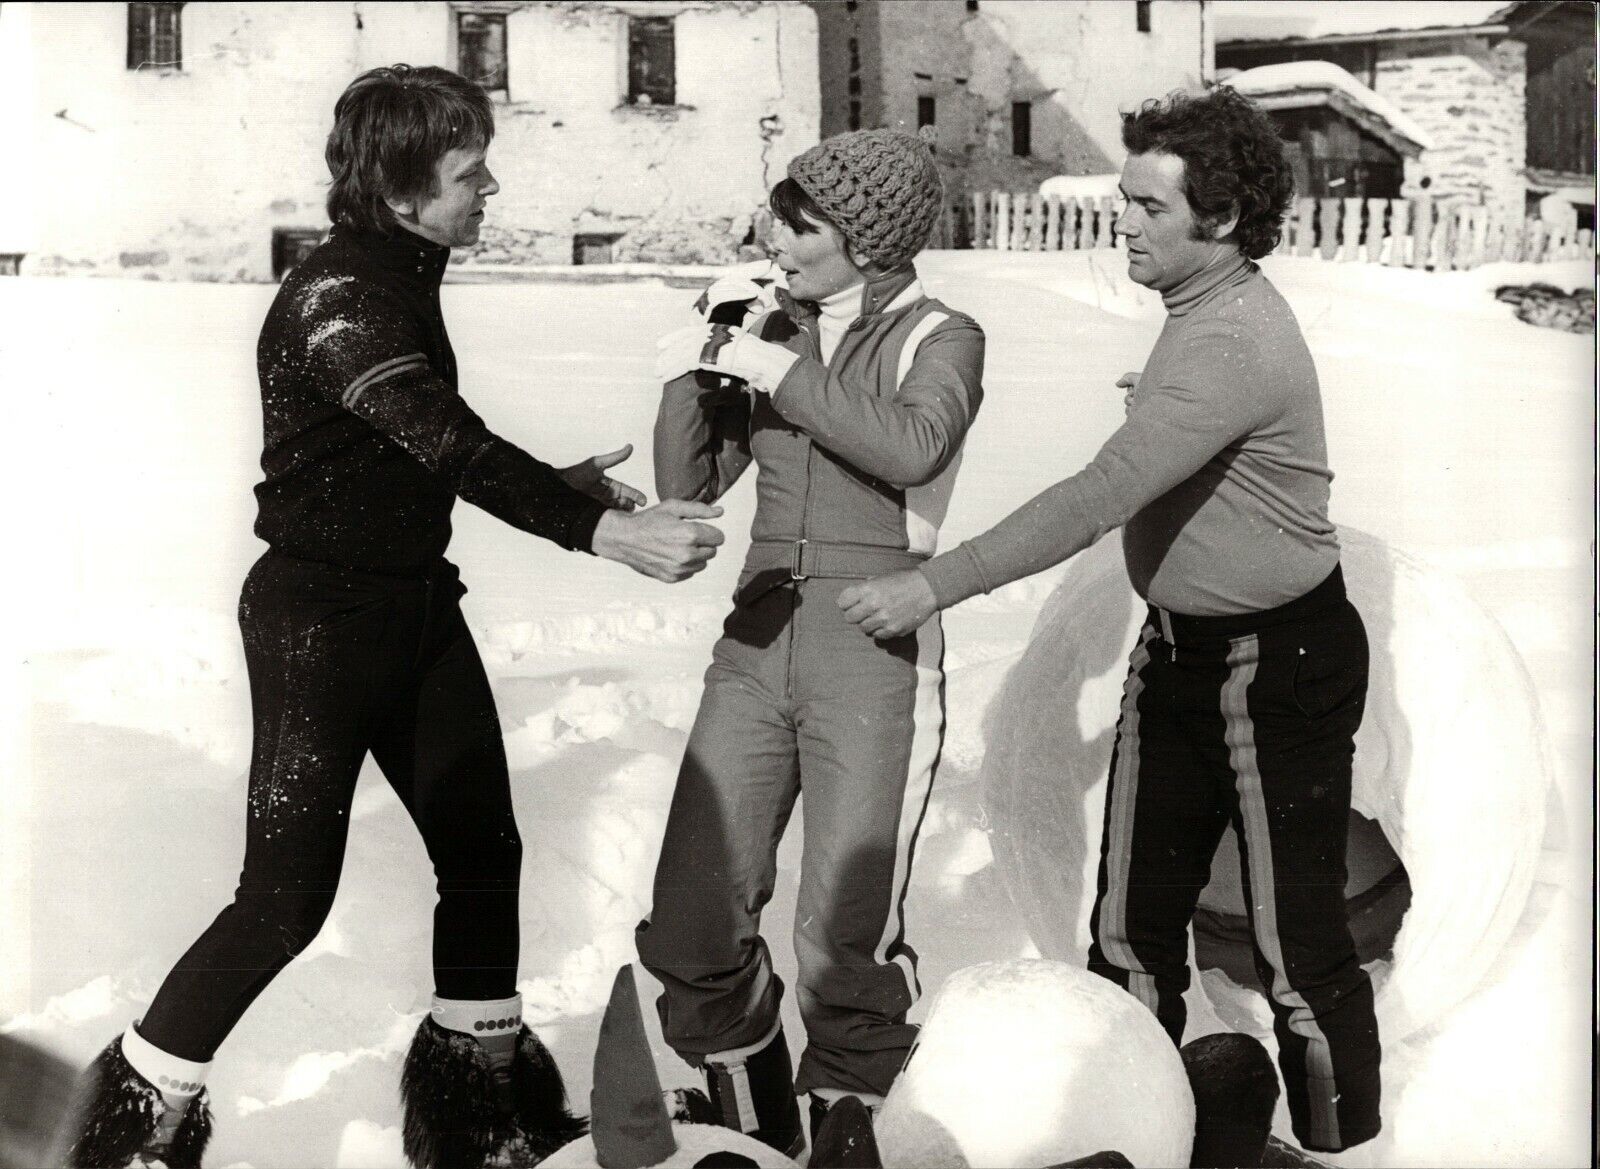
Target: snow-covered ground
[[1458, 433]]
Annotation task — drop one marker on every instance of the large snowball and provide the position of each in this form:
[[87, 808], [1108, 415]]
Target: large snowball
[[1451, 761], [695, 1142], [1028, 1063]]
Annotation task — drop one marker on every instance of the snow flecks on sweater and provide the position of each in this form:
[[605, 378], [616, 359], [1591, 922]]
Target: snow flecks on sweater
[[317, 289], [327, 330]]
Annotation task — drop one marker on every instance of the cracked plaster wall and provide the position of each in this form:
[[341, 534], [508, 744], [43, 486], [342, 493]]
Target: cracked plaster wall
[[183, 175], [1079, 62], [176, 175]]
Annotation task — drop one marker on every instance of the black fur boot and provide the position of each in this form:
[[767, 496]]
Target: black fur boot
[[452, 1120], [116, 1116]]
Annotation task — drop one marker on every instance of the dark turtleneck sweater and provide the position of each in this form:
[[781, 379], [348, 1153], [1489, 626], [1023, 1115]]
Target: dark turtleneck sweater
[[367, 440], [1220, 472]]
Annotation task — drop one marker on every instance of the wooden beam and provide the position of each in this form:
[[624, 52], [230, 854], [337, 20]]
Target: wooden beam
[[1376, 210], [1305, 211], [1422, 231], [1399, 233]]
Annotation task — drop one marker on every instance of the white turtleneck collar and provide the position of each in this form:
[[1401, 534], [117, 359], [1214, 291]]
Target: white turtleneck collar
[[834, 314]]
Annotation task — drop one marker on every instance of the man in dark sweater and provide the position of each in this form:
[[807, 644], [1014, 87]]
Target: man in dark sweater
[[1248, 683], [355, 643]]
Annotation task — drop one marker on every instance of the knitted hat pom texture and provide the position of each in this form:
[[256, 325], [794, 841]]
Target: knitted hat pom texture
[[880, 187]]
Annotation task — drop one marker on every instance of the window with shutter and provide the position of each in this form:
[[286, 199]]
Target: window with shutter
[[1022, 128], [290, 245], [155, 36], [595, 247], [652, 69], [481, 49]]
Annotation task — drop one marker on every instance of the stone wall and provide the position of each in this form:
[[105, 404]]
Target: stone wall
[[183, 174], [1468, 93], [1078, 63]]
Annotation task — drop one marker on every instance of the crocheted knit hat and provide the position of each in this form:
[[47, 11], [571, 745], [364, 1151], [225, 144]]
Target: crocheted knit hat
[[879, 187]]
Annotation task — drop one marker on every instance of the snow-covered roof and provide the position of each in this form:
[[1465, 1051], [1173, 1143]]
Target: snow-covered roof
[[1295, 84], [1276, 20]]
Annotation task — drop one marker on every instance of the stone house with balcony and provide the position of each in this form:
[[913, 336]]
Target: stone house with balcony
[[1506, 100]]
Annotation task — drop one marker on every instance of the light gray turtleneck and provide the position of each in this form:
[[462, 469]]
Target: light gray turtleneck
[[1220, 472]]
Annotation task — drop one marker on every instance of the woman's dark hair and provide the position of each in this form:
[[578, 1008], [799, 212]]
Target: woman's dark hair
[[391, 126], [790, 203], [1233, 161]]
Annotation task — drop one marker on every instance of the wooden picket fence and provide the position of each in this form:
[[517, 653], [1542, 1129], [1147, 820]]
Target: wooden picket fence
[[1411, 233], [1025, 222], [1419, 233]]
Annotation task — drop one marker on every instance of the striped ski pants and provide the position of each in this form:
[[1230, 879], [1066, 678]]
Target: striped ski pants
[[1251, 720], [799, 700]]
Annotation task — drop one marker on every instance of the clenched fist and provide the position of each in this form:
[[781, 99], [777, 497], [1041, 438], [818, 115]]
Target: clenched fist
[[664, 541], [889, 606]]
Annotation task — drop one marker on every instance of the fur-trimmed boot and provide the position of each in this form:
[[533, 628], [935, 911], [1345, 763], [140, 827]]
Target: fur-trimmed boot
[[121, 1116], [462, 1111]]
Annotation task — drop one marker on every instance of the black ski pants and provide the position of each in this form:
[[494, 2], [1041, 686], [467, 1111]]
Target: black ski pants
[[341, 663], [1249, 720]]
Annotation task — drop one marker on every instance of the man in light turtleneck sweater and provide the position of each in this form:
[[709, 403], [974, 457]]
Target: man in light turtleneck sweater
[[1247, 685]]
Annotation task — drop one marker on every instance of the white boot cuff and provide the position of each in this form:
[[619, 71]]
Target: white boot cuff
[[479, 1017], [737, 1055], [831, 1096], [177, 1077]]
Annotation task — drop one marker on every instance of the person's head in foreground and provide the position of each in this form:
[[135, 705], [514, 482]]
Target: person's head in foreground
[[408, 150], [1206, 179], [854, 207]]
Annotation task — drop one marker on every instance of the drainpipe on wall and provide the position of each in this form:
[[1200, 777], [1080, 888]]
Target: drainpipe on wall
[[1208, 45]]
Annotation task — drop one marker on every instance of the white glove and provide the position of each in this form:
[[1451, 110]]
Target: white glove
[[748, 282], [724, 349]]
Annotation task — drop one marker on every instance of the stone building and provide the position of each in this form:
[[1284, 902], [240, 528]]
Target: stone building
[[1015, 90], [184, 141], [1342, 139], [1466, 84]]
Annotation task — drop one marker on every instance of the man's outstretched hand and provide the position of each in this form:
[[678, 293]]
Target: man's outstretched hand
[[590, 478], [664, 541], [889, 606]]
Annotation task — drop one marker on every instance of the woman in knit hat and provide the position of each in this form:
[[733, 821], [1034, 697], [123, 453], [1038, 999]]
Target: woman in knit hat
[[853, 397]]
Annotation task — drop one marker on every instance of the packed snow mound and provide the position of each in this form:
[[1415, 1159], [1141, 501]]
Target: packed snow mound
[[1080, 186], [173, 672], [1451, 762], [695, 1143], [366, 1145], [1030, 1062], [617, 626]]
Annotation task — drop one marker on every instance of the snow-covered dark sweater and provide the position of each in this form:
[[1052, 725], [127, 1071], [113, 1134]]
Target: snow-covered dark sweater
[[367, 440]]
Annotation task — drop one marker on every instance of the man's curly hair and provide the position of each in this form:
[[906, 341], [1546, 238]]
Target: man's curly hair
[[1232, 157]]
